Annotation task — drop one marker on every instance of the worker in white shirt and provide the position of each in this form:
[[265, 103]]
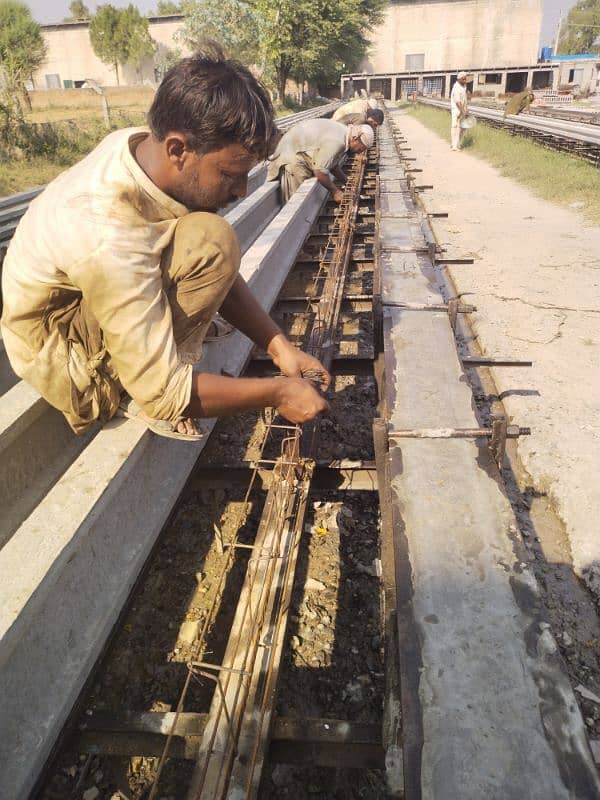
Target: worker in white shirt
[[316, 148], [458, 108]]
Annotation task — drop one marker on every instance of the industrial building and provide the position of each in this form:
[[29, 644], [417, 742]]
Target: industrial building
[[580, 75], [420, 47]]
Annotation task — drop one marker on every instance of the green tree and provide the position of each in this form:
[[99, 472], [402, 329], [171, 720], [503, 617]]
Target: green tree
[[165, 59], [167, 7], [22, 51], [78, 10], [312, 39], [231, 23], [120, 36], [581, 30]]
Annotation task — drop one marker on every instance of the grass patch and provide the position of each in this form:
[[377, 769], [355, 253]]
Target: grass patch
[[43, 151], [58, 136], [554, 176]]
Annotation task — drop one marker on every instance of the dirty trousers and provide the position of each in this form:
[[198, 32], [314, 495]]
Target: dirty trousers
[[292, 176], [195, 287]]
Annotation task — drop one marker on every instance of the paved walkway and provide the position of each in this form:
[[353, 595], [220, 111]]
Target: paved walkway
[[536, 284]]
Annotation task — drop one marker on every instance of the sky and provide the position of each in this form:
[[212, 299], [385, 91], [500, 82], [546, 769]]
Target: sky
[[56, 10]]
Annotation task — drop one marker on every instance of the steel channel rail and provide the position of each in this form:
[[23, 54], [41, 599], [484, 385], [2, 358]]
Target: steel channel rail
[[577, 138]]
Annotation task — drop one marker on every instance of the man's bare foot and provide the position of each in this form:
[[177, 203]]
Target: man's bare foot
[[188, 426]]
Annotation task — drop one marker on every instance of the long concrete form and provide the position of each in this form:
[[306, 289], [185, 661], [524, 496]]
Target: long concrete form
[[487, 710], [30, 427], [68, 570], [577, 131]]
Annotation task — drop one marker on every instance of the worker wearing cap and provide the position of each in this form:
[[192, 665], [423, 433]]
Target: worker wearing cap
[[316, 147], [360, 111], [458, 108]]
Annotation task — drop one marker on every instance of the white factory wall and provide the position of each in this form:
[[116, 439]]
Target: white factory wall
[[456, 34]]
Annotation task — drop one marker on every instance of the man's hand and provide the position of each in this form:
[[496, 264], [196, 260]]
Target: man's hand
[[298, 401], [294, 363], [325, 180]]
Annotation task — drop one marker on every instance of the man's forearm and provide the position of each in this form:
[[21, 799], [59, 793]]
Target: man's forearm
[[217, 395], [294, 398], [339, 174], [244, 312], [325, 180]]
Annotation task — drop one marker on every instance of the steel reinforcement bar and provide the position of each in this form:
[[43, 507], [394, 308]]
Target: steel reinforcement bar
[[236, 735]]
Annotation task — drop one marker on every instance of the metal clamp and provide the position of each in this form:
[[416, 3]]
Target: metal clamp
[[498, 433]]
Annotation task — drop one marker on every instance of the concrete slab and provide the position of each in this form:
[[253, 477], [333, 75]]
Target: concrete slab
[[487, 708], [402, 276], [7, 377], [398, 234], [67, 571], [36, 446]]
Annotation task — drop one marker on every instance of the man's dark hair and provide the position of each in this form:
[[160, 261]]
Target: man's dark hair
[[376, 114], [214, 101]]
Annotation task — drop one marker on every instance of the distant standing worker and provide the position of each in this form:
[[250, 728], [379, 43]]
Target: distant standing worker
[[361, 111], [316, 148], [458, 108]]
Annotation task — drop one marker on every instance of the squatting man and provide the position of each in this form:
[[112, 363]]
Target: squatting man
[[115, 273]]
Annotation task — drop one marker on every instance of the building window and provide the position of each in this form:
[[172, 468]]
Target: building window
[[414, 62], [433, 86], [542, 79], [575, 76], [493, 77], [53, 81]]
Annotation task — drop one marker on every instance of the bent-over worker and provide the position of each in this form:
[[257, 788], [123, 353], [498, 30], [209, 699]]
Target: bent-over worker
[[361, 111], [459, 109], [117, 269], [316, 147], [519, 102]]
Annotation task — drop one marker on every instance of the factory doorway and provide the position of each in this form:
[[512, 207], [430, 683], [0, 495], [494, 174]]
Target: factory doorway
[[541, 79], [381, 86], [516, 82]]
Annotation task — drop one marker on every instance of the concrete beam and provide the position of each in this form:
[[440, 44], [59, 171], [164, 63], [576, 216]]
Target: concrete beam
[[69, 568], [7, 377], [487, 709]]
